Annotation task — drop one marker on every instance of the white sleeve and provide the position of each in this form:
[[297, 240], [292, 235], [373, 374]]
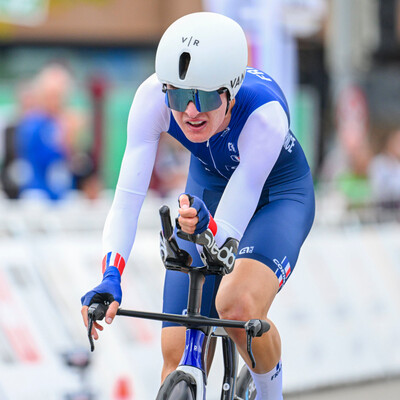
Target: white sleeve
[[259, 145], [148, 117]]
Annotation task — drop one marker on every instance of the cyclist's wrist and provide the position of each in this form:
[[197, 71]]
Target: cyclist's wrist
[[212, 226], [113, 259], [224, 232], [220, 235], [112, 274]]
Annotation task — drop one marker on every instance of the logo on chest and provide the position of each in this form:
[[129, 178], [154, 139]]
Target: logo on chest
[[232, 149], [233, 157]]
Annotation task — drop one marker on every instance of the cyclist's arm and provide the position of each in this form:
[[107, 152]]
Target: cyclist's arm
[[148, 117], [259, 145]]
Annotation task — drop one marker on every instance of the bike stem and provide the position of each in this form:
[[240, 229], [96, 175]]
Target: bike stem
[[196, 282]]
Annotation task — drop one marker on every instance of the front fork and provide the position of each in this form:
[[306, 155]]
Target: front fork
[[195, 349], [230, 368], [193, 359], [195, 353]]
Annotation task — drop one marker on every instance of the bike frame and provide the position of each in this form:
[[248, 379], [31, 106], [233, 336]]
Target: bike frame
[[197, 341], [199, 329], [198, 333]]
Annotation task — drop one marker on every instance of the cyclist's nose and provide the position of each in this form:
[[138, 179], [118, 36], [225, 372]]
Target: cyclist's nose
[[191, 110]]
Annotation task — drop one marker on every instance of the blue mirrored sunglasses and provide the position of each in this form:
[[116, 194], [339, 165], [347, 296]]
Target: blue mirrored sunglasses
[[178, 99]]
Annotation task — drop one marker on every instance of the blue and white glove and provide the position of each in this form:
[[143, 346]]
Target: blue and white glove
[[206, 221], [109, 289], [219, 258]]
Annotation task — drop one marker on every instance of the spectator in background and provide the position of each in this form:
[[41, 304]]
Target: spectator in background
[[26, 102], [384, 172], [347, 162], [45, 138]]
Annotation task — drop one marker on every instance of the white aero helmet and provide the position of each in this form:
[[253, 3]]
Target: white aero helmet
[[205, 51]]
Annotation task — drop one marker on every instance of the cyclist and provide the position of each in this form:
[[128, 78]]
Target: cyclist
[[247, 170]]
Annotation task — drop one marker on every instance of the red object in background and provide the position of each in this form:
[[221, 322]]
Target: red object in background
[[98, 88], [123, 389]]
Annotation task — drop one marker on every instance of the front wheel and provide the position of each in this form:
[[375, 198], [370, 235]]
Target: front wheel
[[245, 387], [178, 386]]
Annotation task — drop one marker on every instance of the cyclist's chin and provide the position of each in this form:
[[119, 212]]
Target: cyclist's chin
[[198, 135]]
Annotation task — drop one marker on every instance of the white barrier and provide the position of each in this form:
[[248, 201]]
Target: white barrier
[[338, 314]]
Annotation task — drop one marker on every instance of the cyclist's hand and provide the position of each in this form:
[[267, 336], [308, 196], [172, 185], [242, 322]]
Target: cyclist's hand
[[194, 216], [109, 291]]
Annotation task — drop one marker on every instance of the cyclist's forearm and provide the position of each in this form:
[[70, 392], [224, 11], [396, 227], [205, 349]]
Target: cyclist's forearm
[[238, 204], [236, 209], [121, 223], [243, 191]]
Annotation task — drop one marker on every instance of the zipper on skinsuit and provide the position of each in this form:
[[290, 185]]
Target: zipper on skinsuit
[[212, 158]]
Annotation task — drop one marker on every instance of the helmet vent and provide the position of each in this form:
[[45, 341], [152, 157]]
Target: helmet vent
[[184, 61]]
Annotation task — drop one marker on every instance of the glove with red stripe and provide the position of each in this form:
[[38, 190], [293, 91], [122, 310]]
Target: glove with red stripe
[[109, 289], [203, 232], [205, 220]]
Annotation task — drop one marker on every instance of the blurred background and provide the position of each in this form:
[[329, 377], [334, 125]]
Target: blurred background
[[68, 74]]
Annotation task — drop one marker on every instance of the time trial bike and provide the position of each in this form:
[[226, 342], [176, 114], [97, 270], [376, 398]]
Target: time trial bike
[[189, 380]]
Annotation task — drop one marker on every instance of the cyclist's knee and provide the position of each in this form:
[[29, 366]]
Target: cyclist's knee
[[247, 292], [238, 306]]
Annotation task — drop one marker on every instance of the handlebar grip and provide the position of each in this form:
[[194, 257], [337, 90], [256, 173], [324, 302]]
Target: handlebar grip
[[256, 327], [166, 224], [97, 311], [265, 326]]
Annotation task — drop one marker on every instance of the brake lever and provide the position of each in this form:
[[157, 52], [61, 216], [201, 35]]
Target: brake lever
[[90, 325], [254, 328], [96, 312], [250, 350]]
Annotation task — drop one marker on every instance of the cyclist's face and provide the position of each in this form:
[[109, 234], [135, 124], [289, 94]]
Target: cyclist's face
[[198, 126]]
